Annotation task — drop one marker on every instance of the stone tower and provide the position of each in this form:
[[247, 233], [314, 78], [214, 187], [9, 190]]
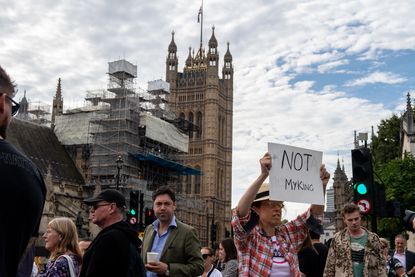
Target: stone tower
[[57, 106], [342, 194], [24, 108], [203, 101], [408, 129]]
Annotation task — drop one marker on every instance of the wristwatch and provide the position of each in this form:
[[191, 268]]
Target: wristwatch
[[167, 272]]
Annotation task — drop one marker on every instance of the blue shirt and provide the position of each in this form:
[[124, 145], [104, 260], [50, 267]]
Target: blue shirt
[[160, 240]]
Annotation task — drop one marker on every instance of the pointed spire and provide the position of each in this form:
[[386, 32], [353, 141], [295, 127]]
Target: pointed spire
[[228, 55], [189, 58], [24, 108], [338, 161], [213, 43], [59, 90], [408, 102], [172, 45], [24, 99], [409, 115]]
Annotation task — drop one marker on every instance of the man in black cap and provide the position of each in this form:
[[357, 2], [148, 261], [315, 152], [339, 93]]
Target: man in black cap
[[115, 251]]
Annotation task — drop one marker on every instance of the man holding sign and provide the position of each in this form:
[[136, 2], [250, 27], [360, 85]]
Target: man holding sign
[[266, 247]]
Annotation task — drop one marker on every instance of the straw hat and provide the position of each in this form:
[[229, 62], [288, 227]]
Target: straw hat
[[263, 193]]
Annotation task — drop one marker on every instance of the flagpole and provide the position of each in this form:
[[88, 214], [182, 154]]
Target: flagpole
[[201, 27]]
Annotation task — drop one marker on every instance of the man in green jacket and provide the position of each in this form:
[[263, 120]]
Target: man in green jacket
[[176, 243]]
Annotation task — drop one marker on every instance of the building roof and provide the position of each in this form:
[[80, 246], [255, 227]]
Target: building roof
[[42, 147]]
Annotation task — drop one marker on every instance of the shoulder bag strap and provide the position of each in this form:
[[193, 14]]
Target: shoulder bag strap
[[210, 271], [71, 266]]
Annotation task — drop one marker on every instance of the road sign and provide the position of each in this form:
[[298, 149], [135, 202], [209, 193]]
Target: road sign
[[364, 206], [133, 220]]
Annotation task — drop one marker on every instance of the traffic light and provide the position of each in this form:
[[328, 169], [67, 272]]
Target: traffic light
[[362, 179], [132, 215], [149, 216], [213, 230]]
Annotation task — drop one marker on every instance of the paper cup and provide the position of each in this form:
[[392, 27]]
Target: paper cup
[[152, 257]]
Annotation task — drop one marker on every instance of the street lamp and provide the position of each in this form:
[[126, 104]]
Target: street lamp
[[119, 163]]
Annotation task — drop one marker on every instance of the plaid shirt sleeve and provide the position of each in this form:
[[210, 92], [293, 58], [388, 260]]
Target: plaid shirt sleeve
[[238, 225], [297, 229]]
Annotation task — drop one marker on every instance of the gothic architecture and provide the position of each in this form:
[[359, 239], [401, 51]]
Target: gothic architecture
[[204, 100], [57, 104], [407, 129], [343, 194]]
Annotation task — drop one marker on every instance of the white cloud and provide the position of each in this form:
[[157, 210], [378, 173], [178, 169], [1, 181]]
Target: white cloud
[[377, 77]]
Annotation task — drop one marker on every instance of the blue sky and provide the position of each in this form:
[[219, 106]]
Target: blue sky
[[307, 73]]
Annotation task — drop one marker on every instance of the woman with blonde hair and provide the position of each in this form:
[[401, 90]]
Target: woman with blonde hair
[[61, 239]]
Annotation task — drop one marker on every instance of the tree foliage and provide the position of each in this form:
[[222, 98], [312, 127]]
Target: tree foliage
[[386, 145], [397, 174], [399, 178]]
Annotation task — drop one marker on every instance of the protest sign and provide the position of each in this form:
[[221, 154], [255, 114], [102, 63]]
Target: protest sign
[[295, 174]]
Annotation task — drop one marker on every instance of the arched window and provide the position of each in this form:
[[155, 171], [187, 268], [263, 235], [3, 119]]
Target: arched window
[[189, 184], [181, 119], [197, 181], [199, 124], [191, 125]]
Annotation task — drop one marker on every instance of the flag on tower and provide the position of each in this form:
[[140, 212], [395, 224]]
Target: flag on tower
[[199, 14]]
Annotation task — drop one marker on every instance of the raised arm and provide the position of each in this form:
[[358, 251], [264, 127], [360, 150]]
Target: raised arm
[[318, 210], [246, 200]]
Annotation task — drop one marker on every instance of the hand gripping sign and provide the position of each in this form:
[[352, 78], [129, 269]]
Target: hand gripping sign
[[295, 174]]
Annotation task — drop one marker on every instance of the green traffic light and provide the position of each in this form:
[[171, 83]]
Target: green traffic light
[[361, 188], [132, 212]]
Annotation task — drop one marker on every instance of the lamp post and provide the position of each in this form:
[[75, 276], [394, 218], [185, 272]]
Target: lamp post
[[119, 163]]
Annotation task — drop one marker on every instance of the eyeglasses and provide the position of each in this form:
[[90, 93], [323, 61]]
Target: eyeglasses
[[15, 105], [96, 206], [205, 256]]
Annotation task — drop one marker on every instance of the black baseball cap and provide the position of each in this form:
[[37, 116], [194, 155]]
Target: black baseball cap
[[108, 195]]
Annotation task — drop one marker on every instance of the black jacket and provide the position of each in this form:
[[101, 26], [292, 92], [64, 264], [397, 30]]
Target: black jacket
[[409, 259], [114, 252]]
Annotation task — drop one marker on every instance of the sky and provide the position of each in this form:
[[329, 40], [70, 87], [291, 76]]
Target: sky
[[306, 73]]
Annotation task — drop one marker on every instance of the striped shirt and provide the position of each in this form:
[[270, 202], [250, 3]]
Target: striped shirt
[[255, 249]]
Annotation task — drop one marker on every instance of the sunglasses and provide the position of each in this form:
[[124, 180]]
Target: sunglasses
[[96, 206], [205, 256], [15, 105]]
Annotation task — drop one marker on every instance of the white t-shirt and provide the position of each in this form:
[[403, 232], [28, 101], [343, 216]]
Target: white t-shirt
[[401, 258], [213, 272], [280, 266]]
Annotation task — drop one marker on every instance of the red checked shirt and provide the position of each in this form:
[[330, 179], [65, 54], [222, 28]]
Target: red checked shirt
[[255, 249]]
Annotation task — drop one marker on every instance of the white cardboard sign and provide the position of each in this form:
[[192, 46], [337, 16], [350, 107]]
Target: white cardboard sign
[[295, 174]]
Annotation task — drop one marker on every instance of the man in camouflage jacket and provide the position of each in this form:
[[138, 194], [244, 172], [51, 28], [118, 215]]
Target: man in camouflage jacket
[[355, 251]]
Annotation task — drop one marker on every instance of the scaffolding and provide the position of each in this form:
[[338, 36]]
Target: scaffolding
[[132, 129], [39, 112]]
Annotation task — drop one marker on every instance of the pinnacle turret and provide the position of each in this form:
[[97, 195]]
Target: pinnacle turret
[[213, 43], [172, 45], [228, 55]]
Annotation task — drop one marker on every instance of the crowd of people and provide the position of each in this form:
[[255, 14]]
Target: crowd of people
[[263, 245]]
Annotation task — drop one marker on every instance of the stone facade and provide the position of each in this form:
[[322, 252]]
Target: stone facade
[[407, 129], [65, 185], [343, 194], [205, 101]]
